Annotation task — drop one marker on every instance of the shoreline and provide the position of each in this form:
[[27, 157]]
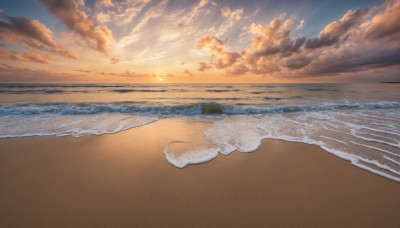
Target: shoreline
[[124, 180]]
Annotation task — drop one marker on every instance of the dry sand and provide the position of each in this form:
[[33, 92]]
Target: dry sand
[[124, 180]]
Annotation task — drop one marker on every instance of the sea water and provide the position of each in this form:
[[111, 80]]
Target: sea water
[[356, 122]]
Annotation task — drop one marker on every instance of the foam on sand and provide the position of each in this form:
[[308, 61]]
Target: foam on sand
[[336, 132]]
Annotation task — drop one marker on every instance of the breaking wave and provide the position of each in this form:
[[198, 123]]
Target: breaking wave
[[205, 108]]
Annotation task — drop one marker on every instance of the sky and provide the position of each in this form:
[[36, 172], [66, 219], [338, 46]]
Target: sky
[[200, 41]]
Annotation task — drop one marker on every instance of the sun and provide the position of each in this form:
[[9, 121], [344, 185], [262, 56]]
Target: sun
[[160, 79]]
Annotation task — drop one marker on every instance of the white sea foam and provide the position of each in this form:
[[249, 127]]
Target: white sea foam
[[244, 134], [196, 156], [62, 125]]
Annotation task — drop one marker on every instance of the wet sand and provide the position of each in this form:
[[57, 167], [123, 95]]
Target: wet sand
[[124, 180]]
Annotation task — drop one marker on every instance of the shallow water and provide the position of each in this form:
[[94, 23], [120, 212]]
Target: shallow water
[[357, 122]]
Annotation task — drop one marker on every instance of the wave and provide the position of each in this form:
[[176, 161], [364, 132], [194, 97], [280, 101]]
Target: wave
[[36, 91], [299, 108], [273, 98], [139, 90], [205, 108], [272, 86], [323, 90], [297, 97], [65, 125], [221, 90], [76, 85], [54, 90], [60, 86]]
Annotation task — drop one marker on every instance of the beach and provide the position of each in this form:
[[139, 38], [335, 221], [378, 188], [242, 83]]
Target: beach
[[124, 180], [203, 113]]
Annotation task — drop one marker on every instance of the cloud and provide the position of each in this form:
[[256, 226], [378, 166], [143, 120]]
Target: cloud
[[64, 53], [361, 41], [155, 11], [18, 74], [22, 29], [225, 12], [203, 66], [332, 32], [187, 72], [4, 54], [84, 71], [255, 13], [123, 12], [232, 18], [31, 57], [385, 24], [211, 42], [215, 45], [104, 3], [273, 39], [114, 60], [67, 53], [270, 40], [187, 17], [80, 2], [128, 73], [178, 24], [301, 25], [14, 74], [297, 63], [348, 64], [238, 69], [94, 36], [33, 35]]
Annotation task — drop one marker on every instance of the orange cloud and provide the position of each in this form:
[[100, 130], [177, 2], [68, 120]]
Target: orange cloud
[[67, 53], [385, 24], [211, 42], [34, 35], [95, 36], [114, 60], [215, 45], [30, 32], [225, 11], [31, 57], [4, 54], [203, 66], [187, 72]]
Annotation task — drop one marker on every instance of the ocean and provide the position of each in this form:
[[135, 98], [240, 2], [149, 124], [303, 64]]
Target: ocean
[[356, 122]]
